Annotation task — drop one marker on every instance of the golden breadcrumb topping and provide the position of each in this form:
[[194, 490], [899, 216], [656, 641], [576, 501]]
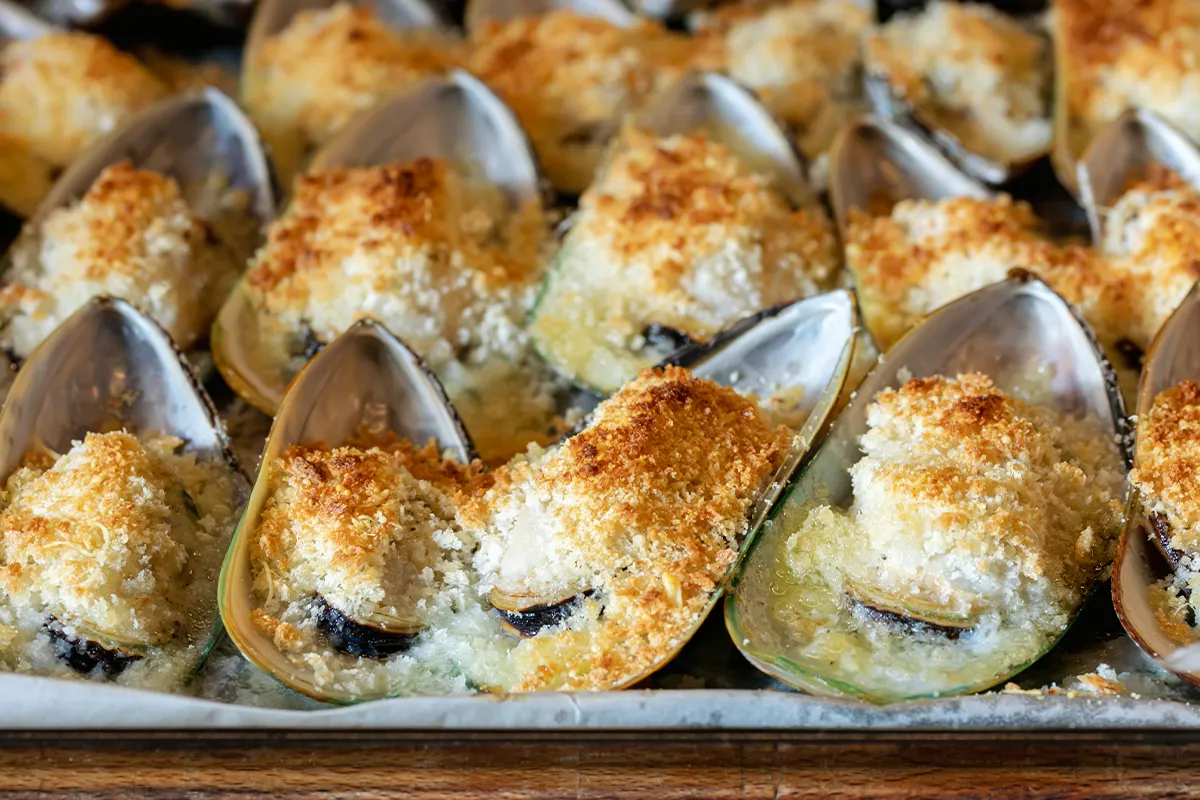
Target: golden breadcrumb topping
[[967, 500], [1122, 54], [118, 539], [133, 236], [646, 508], [304, 84], [802, 57], [927, 253], [1152, 241], [677, 231], [1168, 462], [440, 258], [570, 79], [25, 178], [61, 92], [972, 71], [363, 527]]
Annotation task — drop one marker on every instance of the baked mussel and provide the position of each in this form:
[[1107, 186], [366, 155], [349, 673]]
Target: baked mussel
[[963, 507], [974, 80], [427, 214], [121, 496], [1154, 578], [163, 213], [700, 215], [376, 558]]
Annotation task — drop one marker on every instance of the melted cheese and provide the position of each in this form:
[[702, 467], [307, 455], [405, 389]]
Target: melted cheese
[[133, 236], [972, 71]]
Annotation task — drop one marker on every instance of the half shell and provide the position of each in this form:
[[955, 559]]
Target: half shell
[[795, 359], [109, 367], [890, 105], [1143, 557], [454, 117], [364, 379], [1012, 331], [592, 356], [83, 13], [18, 23], [1126, 152], [480, 12]]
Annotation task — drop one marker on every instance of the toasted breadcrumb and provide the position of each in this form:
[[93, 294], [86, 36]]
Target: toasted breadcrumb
[[680, 232], [61, 92], [25, 178], [571, 78], [646, 508], [439, 258], [306, 82], [979, 522], [1168, 462], [1122, 54], [802, 57], [133, 236], [119, 538], [362, 527], [971, 71]]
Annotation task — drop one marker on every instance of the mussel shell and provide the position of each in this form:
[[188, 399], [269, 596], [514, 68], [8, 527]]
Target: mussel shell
[[365, 380], [1143, 557], [110, 366], [454, 117], [480, 12], [188, 137], [17, 23], [875, 162], [1010, 330], [731, 114], [1123, 153], [82, 13]]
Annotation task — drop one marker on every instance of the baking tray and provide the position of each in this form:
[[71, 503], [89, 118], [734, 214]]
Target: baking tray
[[1095, 678]]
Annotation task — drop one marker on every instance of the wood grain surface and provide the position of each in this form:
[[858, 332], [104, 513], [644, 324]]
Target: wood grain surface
[[662, 766]]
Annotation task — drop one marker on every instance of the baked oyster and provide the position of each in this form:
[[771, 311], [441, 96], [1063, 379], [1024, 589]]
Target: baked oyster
[[368, 565], [801, 57], [700, 215], [571, 73], [119, 500], [961, 510], [969, 76], [60, 93], [163, 213], [1116, 55], [426, 214], [309, 68]]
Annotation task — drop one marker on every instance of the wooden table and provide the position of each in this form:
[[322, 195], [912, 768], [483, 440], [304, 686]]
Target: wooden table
[[660, 766]]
